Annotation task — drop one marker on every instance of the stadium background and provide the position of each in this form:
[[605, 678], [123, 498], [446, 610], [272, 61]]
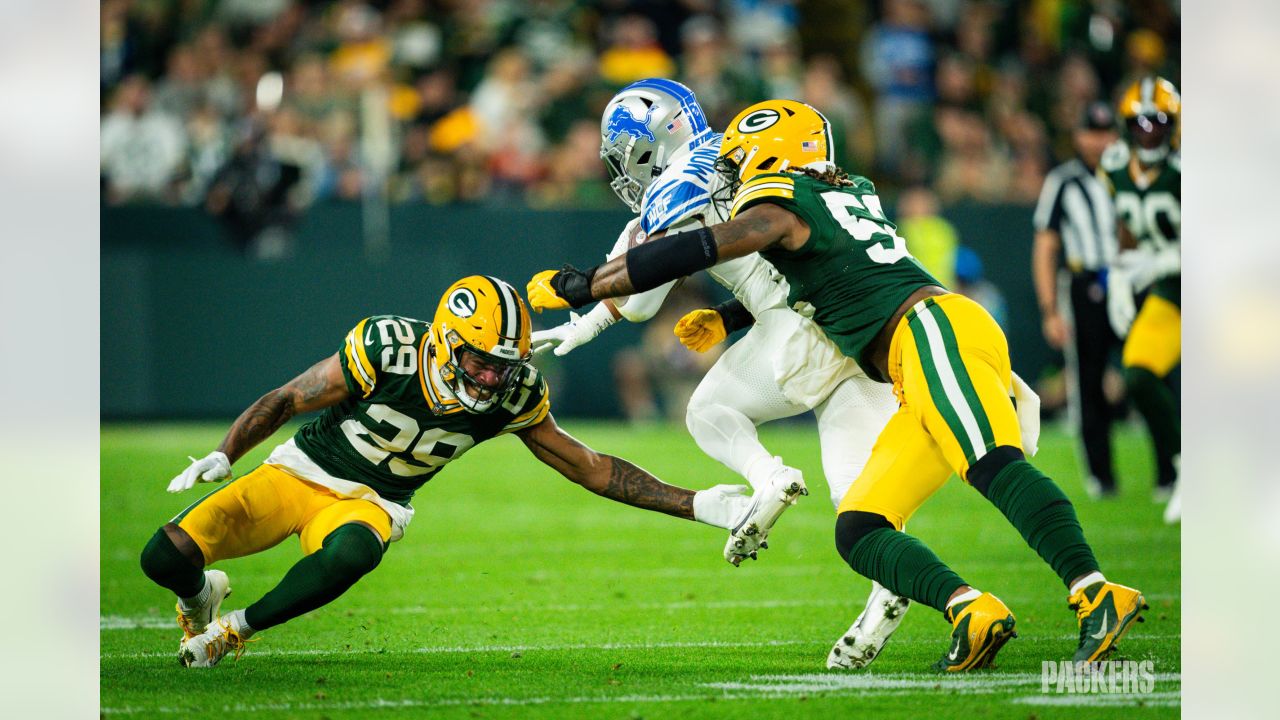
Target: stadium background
[[272, 170]]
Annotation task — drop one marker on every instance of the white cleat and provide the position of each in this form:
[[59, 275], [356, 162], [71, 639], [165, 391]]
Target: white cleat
[[767, 505], [864, 640], [195, 621], [1173, 510], [223, 638]]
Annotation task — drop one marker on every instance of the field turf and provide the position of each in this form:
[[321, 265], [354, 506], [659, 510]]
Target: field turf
[[518, 594]]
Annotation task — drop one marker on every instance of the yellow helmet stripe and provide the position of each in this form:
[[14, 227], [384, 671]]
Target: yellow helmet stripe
[[357, 362]]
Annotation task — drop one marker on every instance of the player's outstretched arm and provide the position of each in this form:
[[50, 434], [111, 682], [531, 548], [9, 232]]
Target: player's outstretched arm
[[665, 259], [619, 480], [319, 387]]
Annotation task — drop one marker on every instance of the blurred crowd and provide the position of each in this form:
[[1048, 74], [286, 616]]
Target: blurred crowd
[[256, 108]]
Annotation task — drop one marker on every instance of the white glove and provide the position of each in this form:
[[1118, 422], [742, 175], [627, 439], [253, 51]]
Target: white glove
[[1121, 308], [580, 330], [721, 506], [1146, 265], [214, 467], [1027, 403]]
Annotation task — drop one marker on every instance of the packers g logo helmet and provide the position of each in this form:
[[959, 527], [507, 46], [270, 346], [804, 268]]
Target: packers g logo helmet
[[1151, 109], [480, 340], [772, 136]]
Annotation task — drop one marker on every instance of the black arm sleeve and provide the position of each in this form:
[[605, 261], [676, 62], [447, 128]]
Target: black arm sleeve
[[671, 257], [735, 316]]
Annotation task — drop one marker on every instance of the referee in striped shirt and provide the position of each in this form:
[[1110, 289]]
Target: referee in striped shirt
[[1075, 241]]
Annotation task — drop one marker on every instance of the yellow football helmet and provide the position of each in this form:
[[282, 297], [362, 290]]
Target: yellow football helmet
[[480, 341], [1151, 109], [772, 136]]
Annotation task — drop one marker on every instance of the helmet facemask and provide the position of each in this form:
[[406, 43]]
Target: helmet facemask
[[1150, 135], [479, 380]]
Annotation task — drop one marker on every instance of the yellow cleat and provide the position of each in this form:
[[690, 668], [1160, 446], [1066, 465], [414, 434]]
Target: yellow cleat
[[542, 296], [1105, 611], [980, 628]]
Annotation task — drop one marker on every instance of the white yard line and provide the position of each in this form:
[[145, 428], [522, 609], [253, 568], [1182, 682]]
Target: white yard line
[[150, 622], [770, 687]]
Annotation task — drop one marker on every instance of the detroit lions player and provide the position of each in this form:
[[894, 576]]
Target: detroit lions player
[[660, 154]]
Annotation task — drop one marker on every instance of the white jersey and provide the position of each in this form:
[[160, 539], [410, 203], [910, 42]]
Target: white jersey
[[680, 199], [805, 364]]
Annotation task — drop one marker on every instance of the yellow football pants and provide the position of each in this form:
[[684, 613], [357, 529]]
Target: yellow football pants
[[949, 362], [1155, 339], [259, 510]]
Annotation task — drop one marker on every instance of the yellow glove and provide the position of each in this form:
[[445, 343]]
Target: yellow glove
[[542, 296], [701, 329]]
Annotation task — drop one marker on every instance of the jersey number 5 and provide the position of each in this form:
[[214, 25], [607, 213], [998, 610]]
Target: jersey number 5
[[888, 248]]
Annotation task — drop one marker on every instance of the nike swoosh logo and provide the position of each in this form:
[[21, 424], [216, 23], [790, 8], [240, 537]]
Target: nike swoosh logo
[[1103, 632], [954, 653], [368, 335]]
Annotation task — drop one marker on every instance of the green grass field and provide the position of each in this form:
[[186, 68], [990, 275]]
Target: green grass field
[[518, 594]]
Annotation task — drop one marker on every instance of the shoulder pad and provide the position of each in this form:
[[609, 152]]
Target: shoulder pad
[[781, 185], [1115, 157]]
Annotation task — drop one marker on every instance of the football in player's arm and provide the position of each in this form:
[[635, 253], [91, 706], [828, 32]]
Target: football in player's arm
[[399, 400]]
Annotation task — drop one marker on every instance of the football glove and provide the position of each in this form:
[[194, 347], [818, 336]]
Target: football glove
[[721, 506], [214, 467], [560, 289], [1121, 308], [580, 330], [701, 330]]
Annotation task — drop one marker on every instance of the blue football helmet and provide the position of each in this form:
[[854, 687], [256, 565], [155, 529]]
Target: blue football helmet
[[644, 127]]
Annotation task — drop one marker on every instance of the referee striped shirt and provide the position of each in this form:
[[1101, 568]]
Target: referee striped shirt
[[1074, 203]]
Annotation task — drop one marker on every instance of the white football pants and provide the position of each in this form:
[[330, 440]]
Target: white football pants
[[740, 392]]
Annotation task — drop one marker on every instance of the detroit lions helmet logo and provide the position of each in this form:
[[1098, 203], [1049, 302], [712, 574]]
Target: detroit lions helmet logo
[[622, 122]]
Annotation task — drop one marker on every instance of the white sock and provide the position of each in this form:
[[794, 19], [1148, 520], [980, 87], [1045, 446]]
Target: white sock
[[239, 624], [201, 598], [1086, 581], [973, 594]]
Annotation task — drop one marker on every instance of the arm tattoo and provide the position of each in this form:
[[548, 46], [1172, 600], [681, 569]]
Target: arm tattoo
[[611, 279], [271, 411], [633, 486]]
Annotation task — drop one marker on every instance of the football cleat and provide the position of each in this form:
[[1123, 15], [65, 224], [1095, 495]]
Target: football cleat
[[767, 504], [980, 627], [868, 635], [222, 638], [1105, 611], [195, 621]]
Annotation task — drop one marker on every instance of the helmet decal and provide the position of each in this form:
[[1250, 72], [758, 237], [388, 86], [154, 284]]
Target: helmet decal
[[462, 302], [758, 120], [622, 122]]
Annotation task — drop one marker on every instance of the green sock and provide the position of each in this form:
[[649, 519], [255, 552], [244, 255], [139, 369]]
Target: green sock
[[169, 568], [346, 555], [1044, 516], [1159, 408], [904, 565]]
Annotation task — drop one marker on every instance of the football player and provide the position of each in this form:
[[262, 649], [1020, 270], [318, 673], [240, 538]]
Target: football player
[[661, 155], [1144, 174], [947, 359], [401, 399]]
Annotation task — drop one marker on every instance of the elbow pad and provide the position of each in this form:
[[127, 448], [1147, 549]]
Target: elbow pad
[[670, 258]]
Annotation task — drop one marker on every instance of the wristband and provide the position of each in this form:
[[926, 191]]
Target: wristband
[[734, 315], [574, 285]]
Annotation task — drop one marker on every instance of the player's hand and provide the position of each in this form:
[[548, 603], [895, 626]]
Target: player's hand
[[542, 294], [1121, 308], [214, 467], [701, 329], [722, 505], [580, 330]]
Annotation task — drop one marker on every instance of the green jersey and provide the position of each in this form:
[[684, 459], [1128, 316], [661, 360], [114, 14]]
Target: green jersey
[[1151, 207], [854, 270], [399, 428]]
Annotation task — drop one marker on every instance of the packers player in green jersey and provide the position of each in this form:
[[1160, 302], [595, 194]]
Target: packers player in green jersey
[[946, 357], [1144, 175], [400, 399]]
